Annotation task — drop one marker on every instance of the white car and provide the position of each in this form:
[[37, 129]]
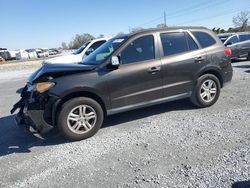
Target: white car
[[22, 55], [80, 53]]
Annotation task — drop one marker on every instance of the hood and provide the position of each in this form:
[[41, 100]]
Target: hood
[[71, 58], [56, 70]]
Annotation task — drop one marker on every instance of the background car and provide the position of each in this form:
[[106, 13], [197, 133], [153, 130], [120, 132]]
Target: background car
[[22, 55], [2, 59], [31, 53], [239, 43], [5, 54], [76, 57], [41, 53]]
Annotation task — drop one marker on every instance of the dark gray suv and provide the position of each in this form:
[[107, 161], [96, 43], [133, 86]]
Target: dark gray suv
[[239, 43], [125, 73]]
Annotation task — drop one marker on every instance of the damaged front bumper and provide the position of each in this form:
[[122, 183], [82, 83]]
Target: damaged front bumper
[[36, 110]]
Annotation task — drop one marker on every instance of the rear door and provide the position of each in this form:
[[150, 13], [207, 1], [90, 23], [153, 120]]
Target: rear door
[[233, 43], [181, 59], [244, 45]]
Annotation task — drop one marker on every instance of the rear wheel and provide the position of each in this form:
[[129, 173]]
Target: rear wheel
[[248, 57], [80, 118], [206, 91]]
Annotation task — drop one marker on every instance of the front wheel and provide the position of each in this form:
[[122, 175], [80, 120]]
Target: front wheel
[[207, 91], [80, 118]]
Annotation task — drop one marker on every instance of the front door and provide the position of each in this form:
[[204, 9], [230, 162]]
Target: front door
[[138, 80]]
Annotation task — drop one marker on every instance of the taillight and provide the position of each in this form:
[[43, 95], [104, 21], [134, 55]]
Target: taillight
[[228, 51]]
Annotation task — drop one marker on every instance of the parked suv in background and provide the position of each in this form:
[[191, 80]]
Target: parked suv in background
[[125, 73], [239, 43], [86, 49]]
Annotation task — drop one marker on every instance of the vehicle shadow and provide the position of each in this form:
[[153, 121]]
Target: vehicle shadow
[[15, 139], [149, 111], [241, 184], [242, 66]]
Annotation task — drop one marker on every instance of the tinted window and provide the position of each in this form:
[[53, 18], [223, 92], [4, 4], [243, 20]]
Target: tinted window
[[174, 43], [97, 44], [204, 39], [232, 40], [141, 49], [244, 37], [191, 44]]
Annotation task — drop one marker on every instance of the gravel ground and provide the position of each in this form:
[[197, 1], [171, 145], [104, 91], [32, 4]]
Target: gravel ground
[[20, 65], [168, 145]]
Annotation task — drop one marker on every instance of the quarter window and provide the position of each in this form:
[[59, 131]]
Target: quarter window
[[141, 49], [204, 39]]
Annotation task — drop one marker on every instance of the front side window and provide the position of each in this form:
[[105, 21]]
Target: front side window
[[96, 45], [174, 43], [244, 37], [232, 40], [141, 49], [204, 39]]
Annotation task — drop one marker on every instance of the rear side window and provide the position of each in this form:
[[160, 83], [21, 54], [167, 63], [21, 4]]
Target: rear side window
[[175, 43], [204, 39], [244, 37], [141, 49]]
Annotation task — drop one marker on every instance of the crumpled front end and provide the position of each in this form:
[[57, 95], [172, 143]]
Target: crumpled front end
[[36, 110]]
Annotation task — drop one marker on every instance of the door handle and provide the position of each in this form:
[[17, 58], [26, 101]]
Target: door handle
[[153, 70], [199, 59]]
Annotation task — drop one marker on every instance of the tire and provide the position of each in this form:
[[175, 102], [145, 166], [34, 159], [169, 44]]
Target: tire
[[248, 57], [200, 96], [80, 118]]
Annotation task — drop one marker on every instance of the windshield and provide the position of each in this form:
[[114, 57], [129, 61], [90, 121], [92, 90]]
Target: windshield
[[104, 51], [79, 50]]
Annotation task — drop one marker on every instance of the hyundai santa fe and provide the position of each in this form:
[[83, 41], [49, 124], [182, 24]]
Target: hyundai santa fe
[[125, 73]]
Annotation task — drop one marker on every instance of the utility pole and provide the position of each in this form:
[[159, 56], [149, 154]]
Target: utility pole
[[165, 21]]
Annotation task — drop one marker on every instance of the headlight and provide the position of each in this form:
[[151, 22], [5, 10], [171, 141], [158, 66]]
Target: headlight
[[43, 86]]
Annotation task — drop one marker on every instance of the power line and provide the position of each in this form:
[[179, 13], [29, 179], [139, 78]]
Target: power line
[[151, 21], [197, 8], [214, 16]]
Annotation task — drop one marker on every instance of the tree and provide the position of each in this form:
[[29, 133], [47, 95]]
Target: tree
[[241, 20], [222, 31], [217, 30], [136, 29], [64, 45], [78, 40], [119, 34]]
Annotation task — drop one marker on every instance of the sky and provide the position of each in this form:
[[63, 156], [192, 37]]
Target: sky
[[48, 23]]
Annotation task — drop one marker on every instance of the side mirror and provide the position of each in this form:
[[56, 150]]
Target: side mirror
[[89, 51], [115, 62]]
